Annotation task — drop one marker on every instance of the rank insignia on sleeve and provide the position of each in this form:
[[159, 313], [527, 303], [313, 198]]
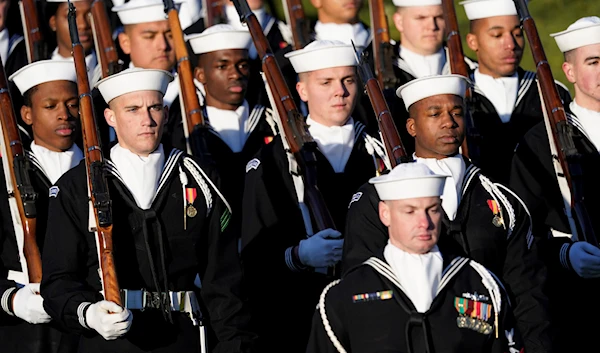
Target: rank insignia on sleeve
[[355, 198], [497, 220], [253, 164], [367, 297], [53, 192], [473, 315]]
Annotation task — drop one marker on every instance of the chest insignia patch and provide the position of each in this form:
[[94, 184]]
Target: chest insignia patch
[[367, 297], [473, 315], [253, 164], [53, 192]]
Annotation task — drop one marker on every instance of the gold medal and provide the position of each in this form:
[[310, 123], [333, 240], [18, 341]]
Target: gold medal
[[191, 211]]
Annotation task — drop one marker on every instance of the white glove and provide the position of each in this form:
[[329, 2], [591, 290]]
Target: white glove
[[322, 249], [28, 305], [108, 319], [585, 259]]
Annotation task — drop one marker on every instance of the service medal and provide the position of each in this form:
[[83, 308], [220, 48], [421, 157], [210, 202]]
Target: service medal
[[191, 211]]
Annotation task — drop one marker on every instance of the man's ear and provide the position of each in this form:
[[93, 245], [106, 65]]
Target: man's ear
[[567, 68], [110, 118], [199, 75], [26, 115], [301, 88], [52, 23], [410, 127], [384, 213], [166, 112], [472, 42], [398, 21], [125, 43]]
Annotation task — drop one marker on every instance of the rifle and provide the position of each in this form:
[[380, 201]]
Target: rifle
[[391, 139], [295, 18], [459, 66], [34, 39], [24, 193], [567, 161], [94, 163], [383, 51], [105, 46], [191, 111], [295, 130], [215, 13]]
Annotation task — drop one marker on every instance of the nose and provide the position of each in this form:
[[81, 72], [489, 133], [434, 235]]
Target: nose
[[63, 112], [340, 89], [448, 121], [424, 220], [162, 42]]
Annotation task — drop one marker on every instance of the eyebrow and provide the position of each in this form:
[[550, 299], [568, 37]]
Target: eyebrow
[[592, 58]]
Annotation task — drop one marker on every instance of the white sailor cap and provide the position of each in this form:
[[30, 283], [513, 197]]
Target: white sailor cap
[[414, 3], [585, 31], [409, 181], [219, 37], [142, 11], [133, 80], [434, 85], [322, 54], [43, 71], [477, 9]]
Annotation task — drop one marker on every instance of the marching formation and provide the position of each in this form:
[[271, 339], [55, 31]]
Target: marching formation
[[200, 176]]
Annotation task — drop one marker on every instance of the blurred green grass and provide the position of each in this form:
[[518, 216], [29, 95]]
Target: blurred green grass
[[550, 16]]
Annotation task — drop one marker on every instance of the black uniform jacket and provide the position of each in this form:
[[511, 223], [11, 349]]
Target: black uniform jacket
[[497, 139], [156, 249], [41, 338], [507, 248], [534, 178], [272, 222], [368, 311]]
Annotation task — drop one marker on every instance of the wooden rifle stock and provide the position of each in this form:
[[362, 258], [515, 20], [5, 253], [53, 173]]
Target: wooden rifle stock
[[383, 51], [295, 130], [458, 66], [105, 46], [191, 106], [568, 156], [24, 193], [296, 19], [34, 39], [215, 12], [94, 162], [389, 133]]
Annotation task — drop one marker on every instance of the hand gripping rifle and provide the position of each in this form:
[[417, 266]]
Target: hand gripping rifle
[[295, 130], [18, 175], [34, 39], [194, 125], [296, 19], [566, 158], [383, 51], [469, 147], [94, 163], [215, 12], [105, 46], [389, 133]]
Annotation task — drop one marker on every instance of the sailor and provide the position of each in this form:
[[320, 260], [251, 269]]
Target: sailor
[[506, 102], [574, 264], [282, 251], [170, 223], [413, 296], [51, 109]]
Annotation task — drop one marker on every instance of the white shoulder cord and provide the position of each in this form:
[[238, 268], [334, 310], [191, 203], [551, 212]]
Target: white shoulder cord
[[493, 190], [373, 147], [334, 340], [490, 284]]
